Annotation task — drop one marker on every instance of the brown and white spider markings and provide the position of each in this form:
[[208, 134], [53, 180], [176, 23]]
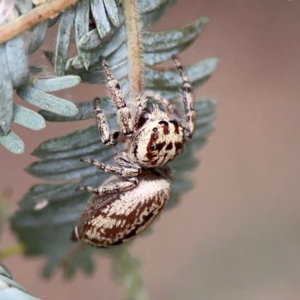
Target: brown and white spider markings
[[127, 203], [115, 218]]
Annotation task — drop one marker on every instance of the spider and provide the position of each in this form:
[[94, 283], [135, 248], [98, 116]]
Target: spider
[[128, 202]]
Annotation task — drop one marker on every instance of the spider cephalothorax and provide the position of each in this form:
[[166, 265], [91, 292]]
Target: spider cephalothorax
[[128, 203], [158, 141]]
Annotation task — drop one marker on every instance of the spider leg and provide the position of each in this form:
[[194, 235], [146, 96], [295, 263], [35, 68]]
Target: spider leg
[[123, 160], [123, 113], [107, 139], [108, 188], [127, 171], [159, 99], [188, 99], [140, 105]]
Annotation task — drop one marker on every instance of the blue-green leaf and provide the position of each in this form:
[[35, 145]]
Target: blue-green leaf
[[37, 36], [17, 61], [9, 282], [75, 144], [164, 40], [167, 83], [96, 74], [152, 11], [81, 28], [160, 46], [24, 6], [12, 143], [10, 290], [100, 17], [28, 118], [112, 11], [85, 111], [47, 101], [56, 84], [52, 22], [63, 40], [106, 48], [6, 94], [66, 168]]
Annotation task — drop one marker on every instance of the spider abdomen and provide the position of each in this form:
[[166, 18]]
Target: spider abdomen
[[116, 218], [157, 143]]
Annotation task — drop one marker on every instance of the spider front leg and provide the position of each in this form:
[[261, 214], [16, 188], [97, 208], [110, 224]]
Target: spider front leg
[[140, 105], [127, 170], [107, 139], [188, 99], [123, 113], [110, 188], [159, 99]]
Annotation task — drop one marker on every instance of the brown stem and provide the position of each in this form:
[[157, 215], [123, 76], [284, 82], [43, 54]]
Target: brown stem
[[71, 253], [127, 269], [42, 12], [134, 45]]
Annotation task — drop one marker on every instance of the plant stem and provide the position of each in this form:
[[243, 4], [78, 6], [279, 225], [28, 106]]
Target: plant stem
[[42, 12], [11, 251], [5, 195], [65, 262], [126, 268], [134, 45]]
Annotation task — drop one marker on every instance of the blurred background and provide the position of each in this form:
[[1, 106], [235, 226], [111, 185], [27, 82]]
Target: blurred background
[[235, 235]]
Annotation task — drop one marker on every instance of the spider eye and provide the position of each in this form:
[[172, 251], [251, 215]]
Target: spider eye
[[154, 129], [143, 118], [153, 146], [116, 135]]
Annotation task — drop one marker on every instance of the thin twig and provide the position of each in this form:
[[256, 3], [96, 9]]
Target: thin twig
[[134, 45], [127, 269], [71, 253], [12, 251], [5, 195], [42, 12]]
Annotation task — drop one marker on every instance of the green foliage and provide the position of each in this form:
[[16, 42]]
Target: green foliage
[[48, 212], [126, 268], [17, 75]]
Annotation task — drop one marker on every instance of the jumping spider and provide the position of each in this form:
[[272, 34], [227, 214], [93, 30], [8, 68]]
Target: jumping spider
[[127, 203]]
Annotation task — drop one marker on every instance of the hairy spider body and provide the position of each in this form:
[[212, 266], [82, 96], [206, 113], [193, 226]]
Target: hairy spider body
[[116, 218], [157, 142], [127, 203]]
